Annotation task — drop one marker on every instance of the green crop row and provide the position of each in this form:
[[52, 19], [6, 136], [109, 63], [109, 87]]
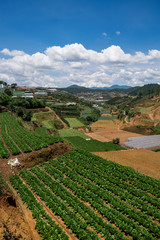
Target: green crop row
[[14, 149], [96, 193], [4, 153], [126, 174], [25, 148], [98, 198], [46, 227], [59, 207], [22, 137]]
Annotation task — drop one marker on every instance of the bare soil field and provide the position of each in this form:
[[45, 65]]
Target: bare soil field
[[106, 124], [110, 134], [98, 137], [141, 160]]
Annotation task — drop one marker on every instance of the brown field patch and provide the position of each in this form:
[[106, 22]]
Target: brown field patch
[[141, 160], [110, 134], [98, 137], [106, 124]]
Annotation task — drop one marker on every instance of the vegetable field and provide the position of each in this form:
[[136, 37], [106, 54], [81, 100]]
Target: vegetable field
[[92, 197], [15, 139], [71, 133], [74, 122], [93, 145]]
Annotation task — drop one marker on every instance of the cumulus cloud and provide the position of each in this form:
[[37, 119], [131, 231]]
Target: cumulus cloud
[[74, 64], [12, 53]]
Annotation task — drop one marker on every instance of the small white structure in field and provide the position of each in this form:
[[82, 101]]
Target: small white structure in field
[[14, 162]]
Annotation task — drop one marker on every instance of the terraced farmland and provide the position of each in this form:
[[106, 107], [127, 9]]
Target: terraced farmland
[[93, 199], [15, 139]]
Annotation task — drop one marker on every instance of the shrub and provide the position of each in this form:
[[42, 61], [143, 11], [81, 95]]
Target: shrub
[[116, 140]]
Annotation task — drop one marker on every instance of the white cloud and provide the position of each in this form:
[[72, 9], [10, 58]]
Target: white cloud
[[118, 32], [74, 64], [104, 34], [12, 53]]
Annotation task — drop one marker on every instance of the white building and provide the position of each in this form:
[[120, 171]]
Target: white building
[[41, 93], [28, 95]]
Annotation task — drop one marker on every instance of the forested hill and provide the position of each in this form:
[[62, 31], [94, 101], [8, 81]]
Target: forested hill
[[146, 90]]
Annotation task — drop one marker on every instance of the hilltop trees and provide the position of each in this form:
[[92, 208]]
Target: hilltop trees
[[8, 91]]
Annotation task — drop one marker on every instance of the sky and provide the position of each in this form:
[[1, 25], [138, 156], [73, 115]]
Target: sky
[[91, 43]]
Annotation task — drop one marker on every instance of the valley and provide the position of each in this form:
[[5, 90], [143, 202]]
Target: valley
[[77, 179]]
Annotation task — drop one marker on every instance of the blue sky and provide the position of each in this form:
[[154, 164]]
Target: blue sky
[[34, 26]]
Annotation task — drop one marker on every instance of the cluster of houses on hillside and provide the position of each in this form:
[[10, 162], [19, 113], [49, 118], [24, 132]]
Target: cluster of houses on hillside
[[26, 92], [32, 94]]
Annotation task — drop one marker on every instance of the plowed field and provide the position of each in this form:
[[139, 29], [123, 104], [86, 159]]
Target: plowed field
[[106, 124]]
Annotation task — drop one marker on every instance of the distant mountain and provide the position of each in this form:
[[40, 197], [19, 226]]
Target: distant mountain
[[113, 87], [76, 89], [75, 86], [119, 87]]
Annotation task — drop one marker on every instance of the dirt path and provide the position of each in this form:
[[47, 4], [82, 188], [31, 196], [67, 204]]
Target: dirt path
[[155, 115], [141, 160], [64, 124]]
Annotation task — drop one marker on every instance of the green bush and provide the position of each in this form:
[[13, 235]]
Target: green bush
[[116, 140]]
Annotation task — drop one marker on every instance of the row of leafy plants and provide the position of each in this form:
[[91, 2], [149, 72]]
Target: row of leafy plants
[[59, 207], [90, 217], [126, 174], [127, 225], [92, 195], [90, 191], [19, 139], [4, 153], [106, 192], [13, 147], [112, 179], [46, 227]]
